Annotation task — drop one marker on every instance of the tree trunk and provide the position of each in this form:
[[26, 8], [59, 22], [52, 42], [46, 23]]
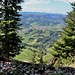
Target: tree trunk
[[52, 61], [7, 56], [6, 33]]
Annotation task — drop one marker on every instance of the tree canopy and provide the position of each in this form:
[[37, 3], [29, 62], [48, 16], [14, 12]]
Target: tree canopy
[[10, 41], [65, 46]]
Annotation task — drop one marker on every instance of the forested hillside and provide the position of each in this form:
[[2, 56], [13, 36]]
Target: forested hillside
[[41, 27], [32, 19]]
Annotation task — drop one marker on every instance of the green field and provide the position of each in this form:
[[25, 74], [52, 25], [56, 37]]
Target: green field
[[27, 55], [44, 37], [36, 37]]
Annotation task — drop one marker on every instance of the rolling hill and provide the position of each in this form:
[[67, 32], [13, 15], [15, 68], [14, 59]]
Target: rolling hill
[[36, 19], [39, 28]]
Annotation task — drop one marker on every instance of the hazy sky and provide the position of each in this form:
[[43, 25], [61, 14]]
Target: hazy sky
[[50, 6]]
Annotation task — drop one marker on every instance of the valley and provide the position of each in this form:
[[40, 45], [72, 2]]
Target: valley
[[39, 29]]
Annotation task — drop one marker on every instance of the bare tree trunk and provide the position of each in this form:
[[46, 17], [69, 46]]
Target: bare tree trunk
[[6, 33], [7, 56], [52, 61]]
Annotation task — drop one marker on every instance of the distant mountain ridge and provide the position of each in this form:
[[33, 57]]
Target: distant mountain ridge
[[34, 19], [41, 28]]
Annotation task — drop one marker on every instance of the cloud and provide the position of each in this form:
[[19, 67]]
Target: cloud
[[71, 0], [34, 9], [66, 0], [36, 5], [46, 6], [30, 2]]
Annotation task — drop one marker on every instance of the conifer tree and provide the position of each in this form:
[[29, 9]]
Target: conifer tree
[[65, 46], [10, 41]]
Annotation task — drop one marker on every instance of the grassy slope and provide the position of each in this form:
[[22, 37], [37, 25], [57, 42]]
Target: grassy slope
[[26, 55]]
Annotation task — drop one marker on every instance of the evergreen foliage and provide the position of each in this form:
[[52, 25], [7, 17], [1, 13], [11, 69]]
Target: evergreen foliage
[[65, 46], [10, 41], [38, 53]]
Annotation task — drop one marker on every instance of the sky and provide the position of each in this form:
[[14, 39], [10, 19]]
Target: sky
[[48, 6]]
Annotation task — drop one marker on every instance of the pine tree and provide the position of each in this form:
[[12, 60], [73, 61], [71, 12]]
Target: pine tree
[[65, 46], [10, 41]]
